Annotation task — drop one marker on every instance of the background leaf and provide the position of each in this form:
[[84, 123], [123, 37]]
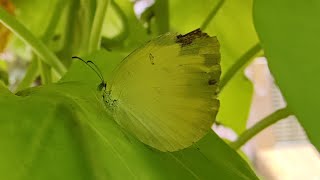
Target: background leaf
[[289, 34]]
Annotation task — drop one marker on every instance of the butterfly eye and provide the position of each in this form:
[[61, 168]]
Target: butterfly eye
[[102, 86]]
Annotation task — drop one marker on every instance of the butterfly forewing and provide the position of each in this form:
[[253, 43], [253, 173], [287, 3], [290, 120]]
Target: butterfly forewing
[[164, 93]]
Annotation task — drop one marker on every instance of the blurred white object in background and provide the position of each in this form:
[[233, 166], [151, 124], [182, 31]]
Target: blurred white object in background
[[281, 151], [141, 5], [224, 132]]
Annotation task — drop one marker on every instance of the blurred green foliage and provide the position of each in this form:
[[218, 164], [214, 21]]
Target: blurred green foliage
[[65, 132], [61, 130]]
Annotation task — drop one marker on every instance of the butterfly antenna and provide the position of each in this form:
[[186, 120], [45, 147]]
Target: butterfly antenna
[[97, 70]]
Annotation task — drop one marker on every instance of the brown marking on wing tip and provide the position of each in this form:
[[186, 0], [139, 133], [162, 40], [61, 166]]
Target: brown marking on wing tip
[[212, 82], [188, 38]]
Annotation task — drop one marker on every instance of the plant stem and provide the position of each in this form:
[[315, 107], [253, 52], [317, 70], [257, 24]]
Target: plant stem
[[54, 20], [212, 14], [83, 19], [45, 70], [123, 34], [259, 126], [69, 43], [162, 15], [38, 47], [246, 57], [30, 75], [95, 34]]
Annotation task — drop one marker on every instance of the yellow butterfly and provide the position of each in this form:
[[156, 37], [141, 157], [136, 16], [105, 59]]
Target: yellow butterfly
[[165, 93]]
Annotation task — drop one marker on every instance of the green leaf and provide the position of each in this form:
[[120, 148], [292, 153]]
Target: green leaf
[[232, 24], [62, 131], [289, 34]]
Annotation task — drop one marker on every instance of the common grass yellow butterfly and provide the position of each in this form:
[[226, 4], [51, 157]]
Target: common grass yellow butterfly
[[165, 93]]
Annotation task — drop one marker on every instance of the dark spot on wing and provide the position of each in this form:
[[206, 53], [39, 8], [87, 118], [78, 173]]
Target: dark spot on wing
[[56, 37], [211, 59], [190, 37], [151, 58], [212, 82]]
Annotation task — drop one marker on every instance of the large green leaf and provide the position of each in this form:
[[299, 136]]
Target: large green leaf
[[234, 28], [289, 33], [62, 131]]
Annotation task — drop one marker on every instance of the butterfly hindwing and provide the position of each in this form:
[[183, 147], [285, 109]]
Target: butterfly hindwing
[[164, 93]]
